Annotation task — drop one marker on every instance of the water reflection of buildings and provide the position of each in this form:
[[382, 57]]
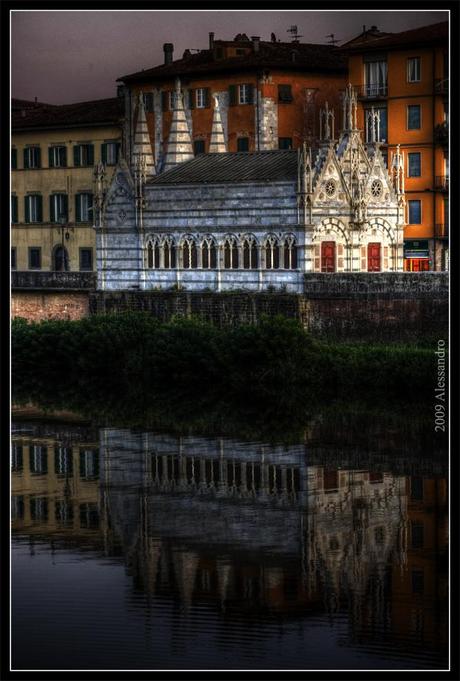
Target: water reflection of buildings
[[249, 527]]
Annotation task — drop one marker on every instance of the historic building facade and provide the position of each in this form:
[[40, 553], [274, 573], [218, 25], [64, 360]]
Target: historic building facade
[[254, 220]]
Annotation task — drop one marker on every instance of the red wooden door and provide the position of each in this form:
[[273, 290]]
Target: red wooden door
[[328, 256], [373, 258]]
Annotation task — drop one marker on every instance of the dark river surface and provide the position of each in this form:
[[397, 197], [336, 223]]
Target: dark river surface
[[143, 549]]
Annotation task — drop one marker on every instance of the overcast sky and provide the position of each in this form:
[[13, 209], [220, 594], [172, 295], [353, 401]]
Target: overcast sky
[[69, 56]]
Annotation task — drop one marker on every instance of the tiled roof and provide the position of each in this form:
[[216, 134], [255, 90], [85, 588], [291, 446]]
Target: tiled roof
[[18, 104], [425, 36], [262, 166], [96, 112], [288, 56]]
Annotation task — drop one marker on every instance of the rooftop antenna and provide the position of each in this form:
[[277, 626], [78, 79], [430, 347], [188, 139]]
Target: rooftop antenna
[[332, 41], [293, 30]]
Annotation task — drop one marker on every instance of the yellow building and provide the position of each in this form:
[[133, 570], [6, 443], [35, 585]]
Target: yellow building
[[54, 150]]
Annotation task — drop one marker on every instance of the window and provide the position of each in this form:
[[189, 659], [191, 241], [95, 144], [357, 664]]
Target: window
[[169, 253], [32, 157], [39, 509], [245, 93], [242, 144], [417, 535], [86, 259], [35, 258], [413, 117], [413, 70], [153, 254], [60, 259], [14, 159], [17, 507], [14, 208], [381, 128], [16, 458], [83, 207], [290, 253], [201, 97], [83, 155], [89, 516], [230, 253], [58, 208], [38, 459], [63, 462], [63, 512], [148, 102], [418, 585], [414, 164], [189, 254], [284, 142], [198, 147], [250, 253], [33, 208], [416, 489], [375, 73], [89, 463], [57, 157], [109, 153], [13, 258], [208, 254], [284, 93], [328, 256], [272, 256], [415, 212]]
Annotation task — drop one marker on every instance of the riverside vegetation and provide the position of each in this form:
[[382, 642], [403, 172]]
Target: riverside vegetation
[[273, 363]]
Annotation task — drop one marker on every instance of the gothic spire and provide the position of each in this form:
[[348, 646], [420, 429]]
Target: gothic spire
[[350, 107], [180, 147], [217, 143], [141, 144]]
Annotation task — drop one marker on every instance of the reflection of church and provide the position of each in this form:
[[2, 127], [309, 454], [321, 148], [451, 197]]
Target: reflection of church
[[250, 220], [245, 526]]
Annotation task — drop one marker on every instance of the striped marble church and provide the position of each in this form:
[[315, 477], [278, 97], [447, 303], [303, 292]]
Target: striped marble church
[[249, 220]]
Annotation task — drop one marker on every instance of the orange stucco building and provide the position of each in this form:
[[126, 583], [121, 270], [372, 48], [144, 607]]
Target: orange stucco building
[[405, 76]]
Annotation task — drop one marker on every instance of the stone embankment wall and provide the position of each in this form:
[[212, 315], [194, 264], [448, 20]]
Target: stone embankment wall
[[362, 306], [51, 295]]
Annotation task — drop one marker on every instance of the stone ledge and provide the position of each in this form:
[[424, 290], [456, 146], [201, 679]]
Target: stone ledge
[[53, 281], [385, 285]]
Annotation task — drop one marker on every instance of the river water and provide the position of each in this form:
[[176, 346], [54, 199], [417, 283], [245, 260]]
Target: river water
[[148, 549]]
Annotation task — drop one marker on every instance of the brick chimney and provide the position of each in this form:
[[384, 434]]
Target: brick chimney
[[168, 49]]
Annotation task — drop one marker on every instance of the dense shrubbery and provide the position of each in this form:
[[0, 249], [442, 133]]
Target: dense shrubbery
[[275, 361]]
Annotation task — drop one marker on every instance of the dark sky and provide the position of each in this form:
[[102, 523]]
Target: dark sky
[[68, 56]]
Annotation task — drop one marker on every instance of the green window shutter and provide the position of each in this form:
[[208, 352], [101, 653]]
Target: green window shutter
[[104, 153], [50, 157], [14, 208], [52, 209], [232, 94], [14, 159], [206, 98], [63, 156], [39, 208], [65, 206], [27, 208], [39, 158], [191, 99], [250, 93], [26, 158], [76, 155], [90, 154], [77, 208]]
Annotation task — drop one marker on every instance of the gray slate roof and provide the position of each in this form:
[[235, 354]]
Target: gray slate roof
[[242, 166]]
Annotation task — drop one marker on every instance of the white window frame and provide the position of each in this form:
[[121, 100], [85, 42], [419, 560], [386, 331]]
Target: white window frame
[[56, 159], [410, 61], [30, 154], [33, 207], [111, 151], [58, 199], [200, 98], [243, 93], [84, 216]]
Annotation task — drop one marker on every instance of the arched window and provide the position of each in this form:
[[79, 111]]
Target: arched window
[[250, 253], [60, 259], [153, 254], [169, 253], [231, 253], [189, 253], [272, 252], [208, 253], [290, 252]]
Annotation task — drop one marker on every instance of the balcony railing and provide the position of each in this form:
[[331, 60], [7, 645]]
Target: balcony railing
[[441, 231], [441, 183], [441, 133], [372, 91], [441, 86]]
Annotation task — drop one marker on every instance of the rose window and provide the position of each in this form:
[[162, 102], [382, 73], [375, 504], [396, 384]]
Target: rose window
[[330, 187], [376, 188]]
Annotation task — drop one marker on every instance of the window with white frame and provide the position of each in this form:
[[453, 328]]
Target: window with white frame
[[413, 69], [57, 157], [32, 157], [83, 207], [89, 463], [110, 152], [33, 208], [58, 207], [272, 255], [245, 93], [63, 461], [376, 77], [201, 97], [38, 459]]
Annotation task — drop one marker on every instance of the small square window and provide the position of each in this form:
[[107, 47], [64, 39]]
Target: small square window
[[413, 70], [415, 212], [284, 142], [86, 259], [414, 164], [198, 147], [35, 258], [242, 144], [414, 117], [285, 93]]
